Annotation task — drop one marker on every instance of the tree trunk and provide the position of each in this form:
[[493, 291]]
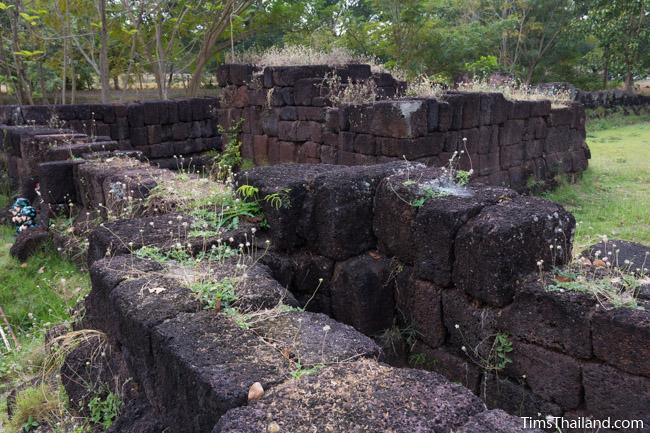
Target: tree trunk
[[216, 28], [160, 62], [103, 54], [605, 67], [41, 81], [629, 78], [23, 93], [73, 84], [116, 82]]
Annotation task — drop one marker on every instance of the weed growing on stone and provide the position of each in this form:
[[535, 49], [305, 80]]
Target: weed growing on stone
[[453, 181], [299, 55], [277, 200], [427, 194], [612, 282], [420, 360], [515, 91], [299, 370], [393, 337], [453, 171], [71, 232], [229, 159], [353, 93], [491, 353], [104, 411], [216, 294], [424, 87]]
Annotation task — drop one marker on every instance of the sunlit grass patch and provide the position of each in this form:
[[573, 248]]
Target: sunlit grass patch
[[613, 196]]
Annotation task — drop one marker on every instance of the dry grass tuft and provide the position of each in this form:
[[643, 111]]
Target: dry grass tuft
[[519, 92], [354, 93], [298, 55], [424, 87]]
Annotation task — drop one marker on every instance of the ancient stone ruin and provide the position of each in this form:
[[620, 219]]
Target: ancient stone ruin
[[375, 294], [287, 116]]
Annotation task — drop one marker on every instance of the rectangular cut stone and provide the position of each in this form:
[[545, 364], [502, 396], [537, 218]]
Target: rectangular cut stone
[[504, 243], [621, 337], [558, 321]]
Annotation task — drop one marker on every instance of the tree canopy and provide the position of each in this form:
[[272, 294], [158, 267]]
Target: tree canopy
[[52, 49]]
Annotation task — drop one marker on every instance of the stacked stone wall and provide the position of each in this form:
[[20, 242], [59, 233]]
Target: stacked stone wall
[[612, 99], [164, 131], [434, 281], [194, 367], [289, 116], [450, 276]]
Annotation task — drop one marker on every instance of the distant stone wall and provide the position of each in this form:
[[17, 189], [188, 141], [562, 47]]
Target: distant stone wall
[[158, 129], [288, 117], [611, 99]]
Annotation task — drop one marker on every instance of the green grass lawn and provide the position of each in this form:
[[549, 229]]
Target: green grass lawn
[[34, 295], [613, 196]]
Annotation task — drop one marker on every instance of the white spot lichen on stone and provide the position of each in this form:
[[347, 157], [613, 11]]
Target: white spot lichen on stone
[[407, 108]]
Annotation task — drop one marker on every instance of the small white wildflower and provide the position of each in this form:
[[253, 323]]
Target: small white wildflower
[[457, 326], [326, 328]]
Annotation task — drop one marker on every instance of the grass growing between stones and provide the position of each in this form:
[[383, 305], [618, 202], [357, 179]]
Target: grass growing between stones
[[613, 196]]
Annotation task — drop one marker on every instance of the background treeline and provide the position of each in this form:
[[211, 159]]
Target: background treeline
[[51, 50]]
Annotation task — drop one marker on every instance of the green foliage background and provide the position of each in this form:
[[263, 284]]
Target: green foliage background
[[590, 43]]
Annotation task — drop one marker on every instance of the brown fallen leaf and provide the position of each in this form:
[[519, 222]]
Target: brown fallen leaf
[[600, 263]]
